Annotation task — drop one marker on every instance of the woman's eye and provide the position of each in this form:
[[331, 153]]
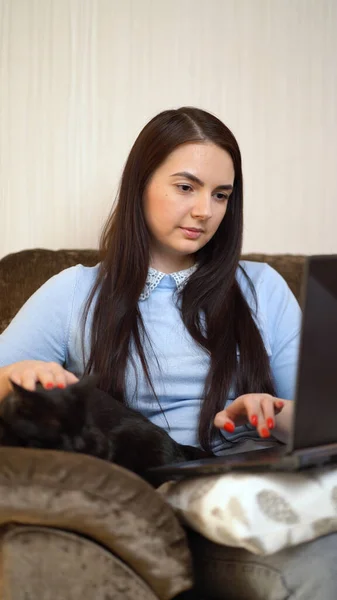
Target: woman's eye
[[184, 187], [222, 197]]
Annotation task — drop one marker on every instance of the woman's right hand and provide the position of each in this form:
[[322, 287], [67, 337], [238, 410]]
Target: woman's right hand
[[29, 372]]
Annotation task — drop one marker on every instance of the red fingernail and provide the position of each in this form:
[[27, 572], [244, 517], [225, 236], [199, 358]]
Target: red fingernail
[[49, 386], [61, 386], [253, 420], [270, 423], [229, 427], [264, 432], [280, 404]]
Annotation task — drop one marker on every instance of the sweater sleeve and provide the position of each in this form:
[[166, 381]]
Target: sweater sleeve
[[40, 329], [283, 323]]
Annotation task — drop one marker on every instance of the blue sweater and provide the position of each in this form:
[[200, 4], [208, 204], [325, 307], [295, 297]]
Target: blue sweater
[[48, 328]]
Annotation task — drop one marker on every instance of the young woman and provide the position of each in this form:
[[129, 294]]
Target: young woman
[[202, 344]]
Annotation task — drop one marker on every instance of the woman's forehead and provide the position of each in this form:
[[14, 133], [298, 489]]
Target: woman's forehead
[[202, 159]]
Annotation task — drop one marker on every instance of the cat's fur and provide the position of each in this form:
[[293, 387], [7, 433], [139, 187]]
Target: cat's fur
[[82, 418]]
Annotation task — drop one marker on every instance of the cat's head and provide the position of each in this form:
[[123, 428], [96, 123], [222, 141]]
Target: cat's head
[[48, 412]]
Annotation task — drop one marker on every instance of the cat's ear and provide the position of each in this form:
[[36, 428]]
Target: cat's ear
[[21, 391], [88, 382]]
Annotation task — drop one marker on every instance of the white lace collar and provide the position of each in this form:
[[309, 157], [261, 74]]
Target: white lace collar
[[154, 277]]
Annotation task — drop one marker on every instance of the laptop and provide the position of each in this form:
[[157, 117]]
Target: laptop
[[313, 439]]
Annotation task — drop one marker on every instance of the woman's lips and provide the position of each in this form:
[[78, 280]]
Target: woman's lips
[[192, 234]]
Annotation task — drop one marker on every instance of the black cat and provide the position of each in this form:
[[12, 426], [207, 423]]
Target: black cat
[[82, 418]]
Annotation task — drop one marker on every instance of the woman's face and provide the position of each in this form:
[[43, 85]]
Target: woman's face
[[185, 202]]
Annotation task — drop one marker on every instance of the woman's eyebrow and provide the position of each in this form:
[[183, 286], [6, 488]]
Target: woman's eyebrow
[[195, 179]]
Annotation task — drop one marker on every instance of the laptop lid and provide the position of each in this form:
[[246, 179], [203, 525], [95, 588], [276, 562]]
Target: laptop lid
[[315, 418]]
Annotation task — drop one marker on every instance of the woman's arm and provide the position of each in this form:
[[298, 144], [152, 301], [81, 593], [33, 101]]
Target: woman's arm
[[280, 320], [34, 345]]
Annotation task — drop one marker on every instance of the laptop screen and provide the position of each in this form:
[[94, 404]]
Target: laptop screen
[[315, 422]]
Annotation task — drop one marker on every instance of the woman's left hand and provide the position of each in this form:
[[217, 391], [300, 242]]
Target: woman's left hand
[[259, 410]]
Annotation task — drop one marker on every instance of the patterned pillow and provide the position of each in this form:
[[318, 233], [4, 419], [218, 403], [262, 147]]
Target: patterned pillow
[[261, 512]]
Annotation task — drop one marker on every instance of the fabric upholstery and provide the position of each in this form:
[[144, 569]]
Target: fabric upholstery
[[40, 563], [101, 501]]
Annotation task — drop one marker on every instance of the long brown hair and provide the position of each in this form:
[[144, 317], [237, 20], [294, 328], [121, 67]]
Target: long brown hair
[[212, 289]]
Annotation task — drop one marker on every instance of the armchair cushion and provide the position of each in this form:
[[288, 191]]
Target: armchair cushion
[[260, 511]]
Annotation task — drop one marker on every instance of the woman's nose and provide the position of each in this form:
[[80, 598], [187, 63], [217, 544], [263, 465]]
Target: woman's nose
[[202, 207]]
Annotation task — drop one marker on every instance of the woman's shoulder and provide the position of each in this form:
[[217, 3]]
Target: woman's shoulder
[[267, 291], [260, 274], [69, 287], [81, 277]]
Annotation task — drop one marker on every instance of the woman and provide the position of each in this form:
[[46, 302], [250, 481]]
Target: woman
[[170, 321]]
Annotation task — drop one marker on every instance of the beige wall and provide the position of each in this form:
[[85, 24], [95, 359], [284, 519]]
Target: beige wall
[[79, 78]]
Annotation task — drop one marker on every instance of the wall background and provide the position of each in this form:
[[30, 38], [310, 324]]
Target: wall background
[[79, 78]]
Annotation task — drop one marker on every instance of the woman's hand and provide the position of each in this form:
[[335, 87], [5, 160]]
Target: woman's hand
[[261, 411], [28, 372]]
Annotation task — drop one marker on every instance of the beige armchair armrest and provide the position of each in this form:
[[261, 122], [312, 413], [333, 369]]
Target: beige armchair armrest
[[106, 503]]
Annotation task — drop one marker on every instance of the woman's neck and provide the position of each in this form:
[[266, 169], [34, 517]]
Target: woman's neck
[[172, 264]]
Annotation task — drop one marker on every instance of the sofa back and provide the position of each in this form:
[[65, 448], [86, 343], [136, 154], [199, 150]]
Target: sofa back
[[22, 273]]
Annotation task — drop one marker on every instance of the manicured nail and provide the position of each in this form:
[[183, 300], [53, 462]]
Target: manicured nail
[[229, 427], [270, 423], [264, 432], [253, 420], [49, 386], [61, 386], [280, 404]]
